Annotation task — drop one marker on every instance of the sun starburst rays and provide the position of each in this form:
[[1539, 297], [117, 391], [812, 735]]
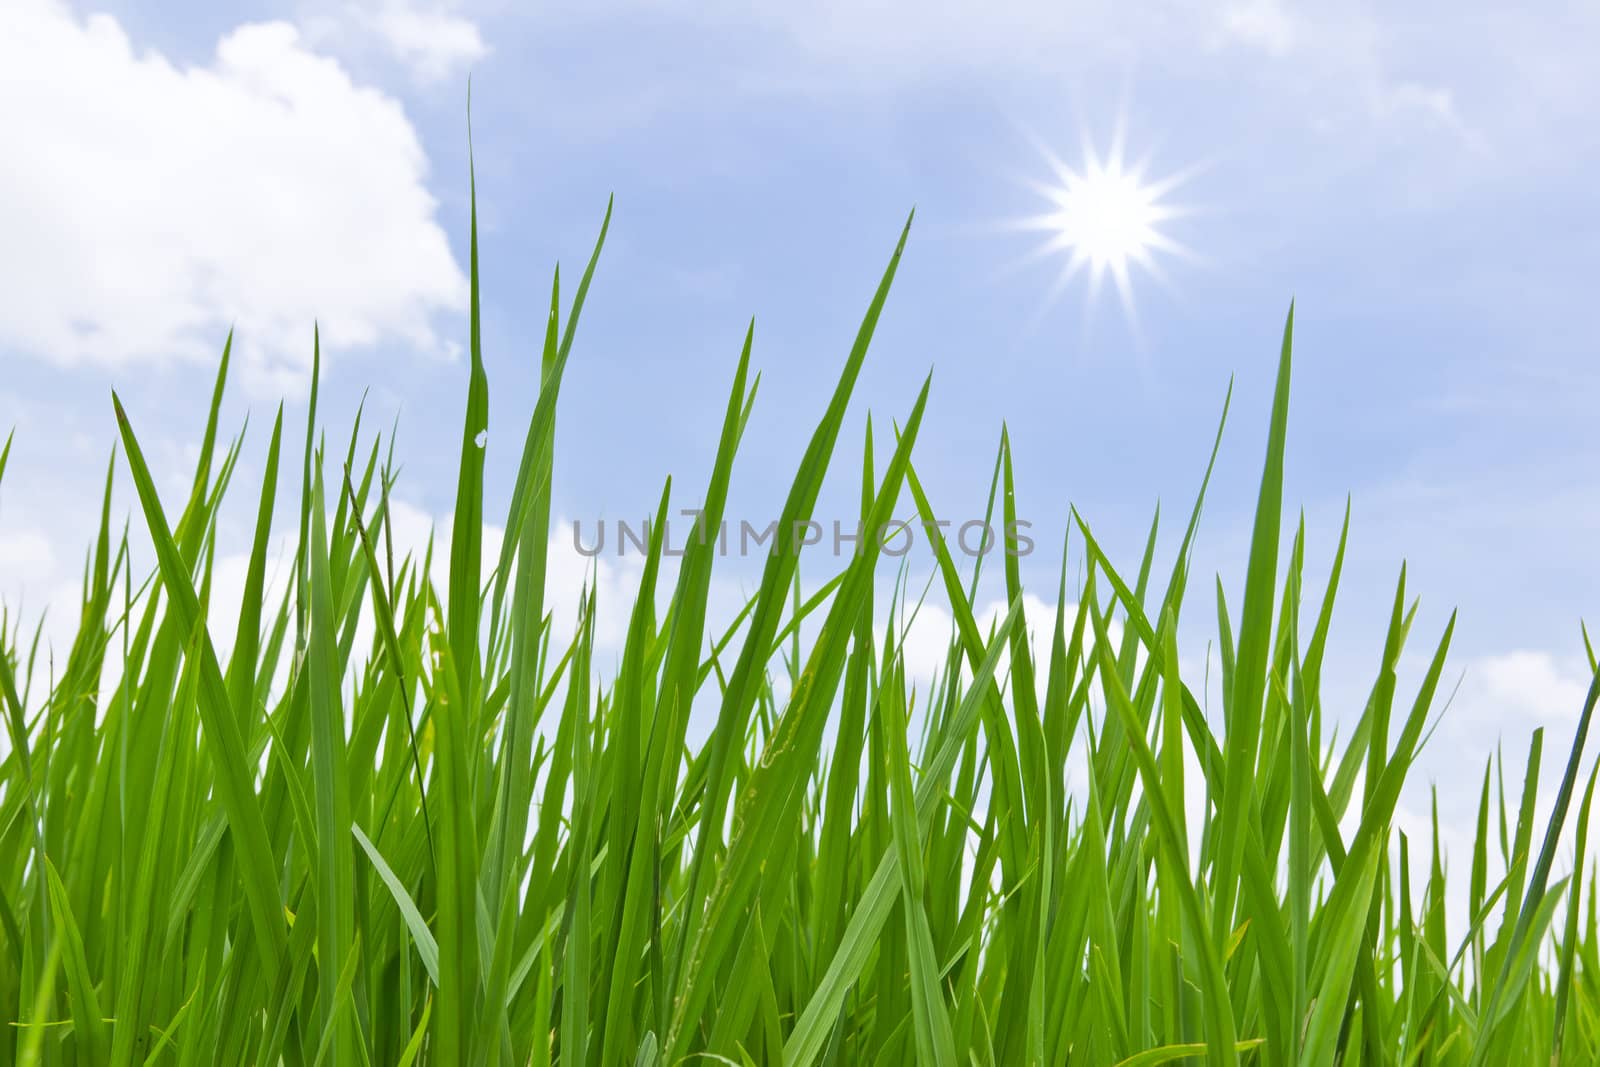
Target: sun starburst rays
[[1103, 219]]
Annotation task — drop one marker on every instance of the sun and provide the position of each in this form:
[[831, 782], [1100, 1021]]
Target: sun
[[1104, 217], [1107, 217]]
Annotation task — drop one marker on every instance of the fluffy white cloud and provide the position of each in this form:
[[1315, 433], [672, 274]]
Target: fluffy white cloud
[[431, 39], [1526, 683], [434, 43], [148, 205]]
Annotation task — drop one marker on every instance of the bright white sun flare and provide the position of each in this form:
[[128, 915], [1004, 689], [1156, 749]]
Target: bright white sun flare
[[1106, 217]]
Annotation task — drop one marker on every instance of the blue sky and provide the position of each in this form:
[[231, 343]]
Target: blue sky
[[1419, 181]]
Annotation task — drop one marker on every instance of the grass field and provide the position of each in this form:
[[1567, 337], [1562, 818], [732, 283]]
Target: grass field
[[461, 843]]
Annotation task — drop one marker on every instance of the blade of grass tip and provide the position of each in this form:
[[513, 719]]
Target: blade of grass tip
[[1500, 789], [414, 1046], [416, 925], [209, 439], [234, 775], [1128, 652], [454, 721], [1250, 665], [1178, 581], [1061, 671], [1522, 846], [533, 476], [529, 538], [466, 531], [988, 516], [1137, 622], [536, 447], [302, 562], [1311, 668], [1023, 687], [1540, 878]]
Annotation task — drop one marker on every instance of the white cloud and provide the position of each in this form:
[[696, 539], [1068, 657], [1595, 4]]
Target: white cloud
[[431, 39], [148, 205], [1528, 683], [433, 42]]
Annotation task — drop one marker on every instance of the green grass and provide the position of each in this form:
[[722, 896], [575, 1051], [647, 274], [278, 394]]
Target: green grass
[[465, 844]]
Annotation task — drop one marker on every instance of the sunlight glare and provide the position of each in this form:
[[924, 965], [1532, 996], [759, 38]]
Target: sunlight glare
[[1104, 216]]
